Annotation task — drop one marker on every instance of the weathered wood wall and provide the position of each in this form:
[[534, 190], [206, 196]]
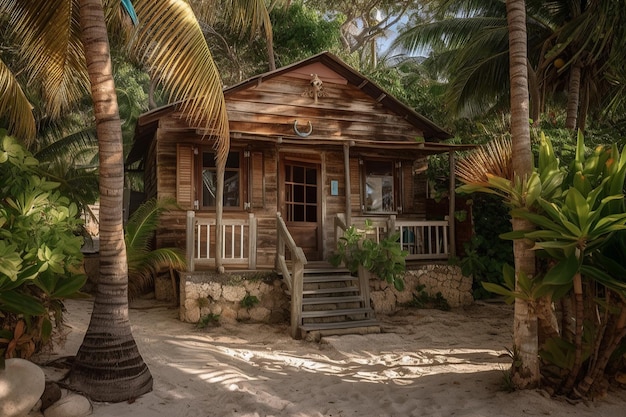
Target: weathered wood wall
[[258, 118]]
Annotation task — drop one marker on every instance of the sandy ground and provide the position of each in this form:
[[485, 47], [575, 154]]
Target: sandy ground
[[426, 363]]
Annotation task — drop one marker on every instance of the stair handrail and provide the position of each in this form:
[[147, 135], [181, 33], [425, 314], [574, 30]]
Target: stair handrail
[[294, 278], [364, 275]]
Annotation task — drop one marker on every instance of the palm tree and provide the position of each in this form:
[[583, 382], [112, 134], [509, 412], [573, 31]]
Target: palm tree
[[569, 46], [525, 370], [64, 45], [253, 16]]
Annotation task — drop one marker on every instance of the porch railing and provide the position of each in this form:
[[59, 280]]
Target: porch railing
[[422, 239], [238, 241], [294, 276]]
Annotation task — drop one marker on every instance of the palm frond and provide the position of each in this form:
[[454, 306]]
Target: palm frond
[[449, 33], [493, 158], [144, 262], [144, 221], [48, 37], [15, 107], [170, 41], [142, 271]]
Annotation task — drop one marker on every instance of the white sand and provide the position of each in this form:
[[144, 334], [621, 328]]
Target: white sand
[[427, 363]]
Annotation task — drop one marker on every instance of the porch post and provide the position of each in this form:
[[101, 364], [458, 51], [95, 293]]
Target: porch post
[[346, 170], [452, 202], [191, 230], [219, 208]]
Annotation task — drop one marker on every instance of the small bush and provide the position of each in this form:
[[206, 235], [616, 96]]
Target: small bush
[[249, 301], [421, 299], [209, 320]]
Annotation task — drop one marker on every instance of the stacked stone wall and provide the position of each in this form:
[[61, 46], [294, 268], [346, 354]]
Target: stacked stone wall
[[203, 294]]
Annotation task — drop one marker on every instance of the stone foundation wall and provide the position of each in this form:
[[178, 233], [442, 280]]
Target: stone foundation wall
[[445, 279], [221, 294]]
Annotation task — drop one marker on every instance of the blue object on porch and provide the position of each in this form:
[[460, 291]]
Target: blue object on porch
[[408, 240]]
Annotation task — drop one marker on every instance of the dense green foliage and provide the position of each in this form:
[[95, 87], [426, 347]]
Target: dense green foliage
[[144, 261], [300, 32], [580, 218], [385, 259], [40, 256]]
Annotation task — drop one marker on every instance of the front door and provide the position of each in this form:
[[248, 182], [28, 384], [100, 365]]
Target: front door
[[301, 205]]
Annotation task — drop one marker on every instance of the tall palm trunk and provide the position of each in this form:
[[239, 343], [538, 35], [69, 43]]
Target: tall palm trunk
[[573, 96], [525, 370], [108, 366]]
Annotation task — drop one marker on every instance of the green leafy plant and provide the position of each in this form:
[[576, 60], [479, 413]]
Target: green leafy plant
[[144, 262], [580, 219], [40, 258], [208, 320], [249, 301], [385, 259], [421, 299]]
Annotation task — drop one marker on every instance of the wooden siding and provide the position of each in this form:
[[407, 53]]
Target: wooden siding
[[259, 117], [343, 113]]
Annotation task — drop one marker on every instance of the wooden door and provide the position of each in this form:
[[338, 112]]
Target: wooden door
[[302, 205]]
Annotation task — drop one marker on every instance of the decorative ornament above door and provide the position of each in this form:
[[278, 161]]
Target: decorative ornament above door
[[316, 90]]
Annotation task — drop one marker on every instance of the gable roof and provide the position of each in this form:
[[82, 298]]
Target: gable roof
[[147, 123], [430, 129]]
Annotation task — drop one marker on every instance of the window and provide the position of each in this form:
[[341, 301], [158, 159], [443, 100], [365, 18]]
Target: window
[[379, 186], [232, 180]]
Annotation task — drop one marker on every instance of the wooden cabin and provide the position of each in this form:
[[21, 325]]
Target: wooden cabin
[[315, 147], [312, 141]]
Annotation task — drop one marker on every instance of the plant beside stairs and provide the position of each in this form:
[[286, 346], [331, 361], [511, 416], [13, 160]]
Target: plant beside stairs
[[385, 259]]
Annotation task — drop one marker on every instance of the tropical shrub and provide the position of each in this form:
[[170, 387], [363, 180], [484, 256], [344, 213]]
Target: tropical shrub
[[40, 257], [385, 259], [580, 219], [145, 262]]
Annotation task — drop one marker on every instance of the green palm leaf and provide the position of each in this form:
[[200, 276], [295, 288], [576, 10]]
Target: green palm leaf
[[15, 106], [170, 42]]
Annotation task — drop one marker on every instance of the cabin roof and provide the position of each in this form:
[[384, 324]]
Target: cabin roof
[[147, 123]]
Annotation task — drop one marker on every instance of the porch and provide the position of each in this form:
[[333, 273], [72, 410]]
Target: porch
[[424, 240], [323, 300]]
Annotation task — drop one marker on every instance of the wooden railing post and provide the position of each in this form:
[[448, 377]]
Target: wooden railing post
[[364, 285], [294, 278], [391, 225], [251, 241], [191, 232], [296, 295]]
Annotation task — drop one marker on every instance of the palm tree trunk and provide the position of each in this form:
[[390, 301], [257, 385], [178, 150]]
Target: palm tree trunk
[[525, 370], [535, 95], [615, 338], [578, 336], [573, 96], [108, 366]]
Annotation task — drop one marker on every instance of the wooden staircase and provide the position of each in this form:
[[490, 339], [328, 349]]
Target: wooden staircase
[[324, 300], [333, 303]]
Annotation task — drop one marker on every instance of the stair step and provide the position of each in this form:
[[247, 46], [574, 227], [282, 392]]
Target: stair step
[[332, 300], [328, 270], [340, 325], [336, 312], [330, 290], [328, 278]]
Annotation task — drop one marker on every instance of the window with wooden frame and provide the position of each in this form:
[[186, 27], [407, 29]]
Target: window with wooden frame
[[381, 186], [234, 180]]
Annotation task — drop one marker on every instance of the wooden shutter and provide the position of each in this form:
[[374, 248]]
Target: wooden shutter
[[184, 176], [257, 180]]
